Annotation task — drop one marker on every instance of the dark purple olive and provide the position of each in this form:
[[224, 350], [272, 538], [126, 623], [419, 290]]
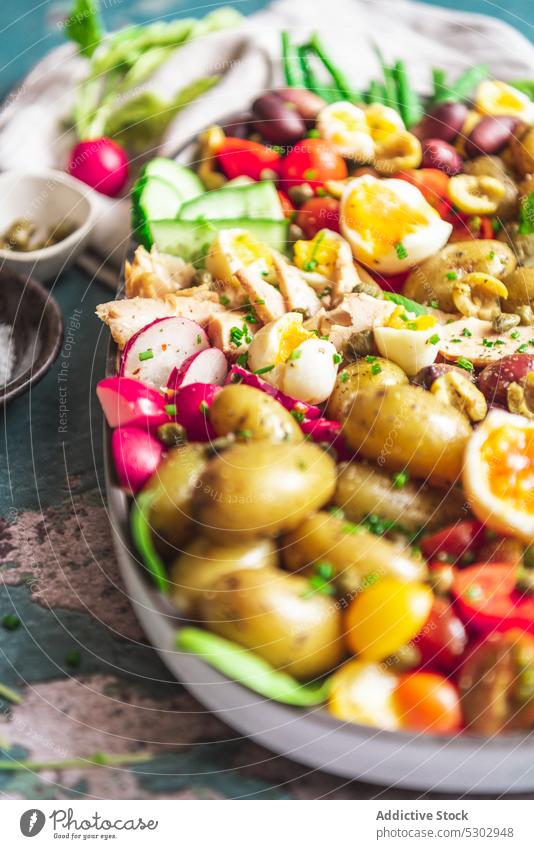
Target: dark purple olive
[[439, 154], [307, 104], [277, 121], [239, 128], [444, 122], [427, 375], [490, 135]]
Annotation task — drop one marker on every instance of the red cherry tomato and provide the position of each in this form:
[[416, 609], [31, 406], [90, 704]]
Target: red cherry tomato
[[454, 542], [318, 213], [442, 640], [427, 702], [486, 228], [240, 157], [431, 182], [311, 161], [285, 202], [487, 600]]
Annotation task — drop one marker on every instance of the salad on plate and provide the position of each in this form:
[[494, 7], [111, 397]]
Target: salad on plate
[[324, 405]]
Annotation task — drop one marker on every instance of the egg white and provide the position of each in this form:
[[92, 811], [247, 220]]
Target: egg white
[[409, 349], [345, 127], [310, 374], [419, 245]]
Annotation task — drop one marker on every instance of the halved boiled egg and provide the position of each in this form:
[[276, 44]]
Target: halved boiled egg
[[410, 341], [233, 249], [344, 125], [294, 360], [494, 97], [389, 224], [319, 255], [383, 121], [498, 474]]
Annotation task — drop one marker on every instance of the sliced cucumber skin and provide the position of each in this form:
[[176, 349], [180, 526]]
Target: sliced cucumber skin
[[189, 239], [152, 197], [257, 200], [183, 179]]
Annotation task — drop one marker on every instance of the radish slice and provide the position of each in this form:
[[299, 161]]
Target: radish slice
[[238, 374], [136, 455], [327, 430], [208, 366], [159, 347], [192, 410], [129, 402]]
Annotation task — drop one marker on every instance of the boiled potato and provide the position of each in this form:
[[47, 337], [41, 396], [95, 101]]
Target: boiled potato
[[405, 427], [203, 562], [363, 374], [492, 166], [520, 285], [173, 483], [521, 149], [363, 489], [279, 617], [252, 414], [429, 282], [356, 556], [263, 488]]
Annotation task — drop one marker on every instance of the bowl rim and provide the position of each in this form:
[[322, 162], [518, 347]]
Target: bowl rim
[[79, 232]]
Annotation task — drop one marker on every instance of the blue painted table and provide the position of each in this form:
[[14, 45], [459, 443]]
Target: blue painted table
[[88, 680]]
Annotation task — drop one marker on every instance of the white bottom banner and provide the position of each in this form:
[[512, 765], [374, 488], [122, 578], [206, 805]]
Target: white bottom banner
[[254, 824]]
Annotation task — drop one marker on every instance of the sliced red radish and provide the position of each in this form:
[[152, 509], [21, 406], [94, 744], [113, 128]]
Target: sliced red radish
[[159, 347], [192, 410], [126, 401], [238, 374], [208, 366], [327, 430], [136, 454]]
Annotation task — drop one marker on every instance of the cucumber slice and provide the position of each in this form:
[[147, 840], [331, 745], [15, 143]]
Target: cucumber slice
[[192, 239], [257, 200], [152, 198], [184, 180]]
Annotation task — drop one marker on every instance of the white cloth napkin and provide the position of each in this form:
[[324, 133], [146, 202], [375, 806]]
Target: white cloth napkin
[[32, 125]]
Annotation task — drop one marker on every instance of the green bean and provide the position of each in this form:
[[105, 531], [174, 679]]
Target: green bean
[[290, 60], [377, 92], [465, 84], [248, 669], [390, 85], [342, 86], [310, 80], [142, 537], [410, 106], [439, 81]]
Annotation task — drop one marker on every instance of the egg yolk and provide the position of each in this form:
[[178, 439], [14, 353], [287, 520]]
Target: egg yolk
[[318, 255], [380, 217], [290, 338], [248, 249], [401, 319], [508, 453]]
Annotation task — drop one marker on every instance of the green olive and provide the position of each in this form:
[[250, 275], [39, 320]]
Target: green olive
[[366, 373], [356, 556], [204, 561], [252, 414], [263, 488], [363, 489], [279, 617], [433, 280], [406, 427], [173, 484], [493, 166]]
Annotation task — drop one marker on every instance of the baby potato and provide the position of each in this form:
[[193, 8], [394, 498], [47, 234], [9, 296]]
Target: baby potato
[[363, 489], [405, 427], [363, 374], [279, 617], [173, 483], [430, 281], [263, 488], [355, 555], [520, 285], [203, 562], [252, 414]]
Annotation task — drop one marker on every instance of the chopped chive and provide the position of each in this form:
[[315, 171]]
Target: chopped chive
[[244, 434], [203, 408], [146, 355], [264, 370], [522, 348], [400, 250], [242, 360], [370, 359], [451, 275], [298, 416], [344, 376], [466, 332], [310, 174], [433, 340], [464, 363], [487, 343], [199, 339], [434, 304], [456, 341], [170, 409], [337, 358], [376, 368], [10, 622], [400, 479], [313, 134], [224, 300], [294, 355]]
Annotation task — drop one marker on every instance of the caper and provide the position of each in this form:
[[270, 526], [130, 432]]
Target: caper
[[368, 288], [220, 444], [202, 278], [300, 194], [441, 579], [171, 434], [526, 316], [359, 344], [505, 321]]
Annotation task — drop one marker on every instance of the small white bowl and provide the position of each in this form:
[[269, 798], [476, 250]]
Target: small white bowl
[[48, 198]]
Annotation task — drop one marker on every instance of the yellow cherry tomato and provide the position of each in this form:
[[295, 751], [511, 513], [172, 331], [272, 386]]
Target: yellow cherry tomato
[[386, 616]]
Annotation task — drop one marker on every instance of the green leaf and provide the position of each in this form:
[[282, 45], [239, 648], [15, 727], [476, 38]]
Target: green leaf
[[250, 670], [84, 26], [407, 303], [526, 216]]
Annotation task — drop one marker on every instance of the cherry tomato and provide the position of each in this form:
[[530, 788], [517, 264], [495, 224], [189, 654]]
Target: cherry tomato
[[486, 228], [431, 182], [454, 542], [487, 599], [240, 157], [427, 702], [318, 213], [311, 161], [442, 639], [285, 202], [386, 616]]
